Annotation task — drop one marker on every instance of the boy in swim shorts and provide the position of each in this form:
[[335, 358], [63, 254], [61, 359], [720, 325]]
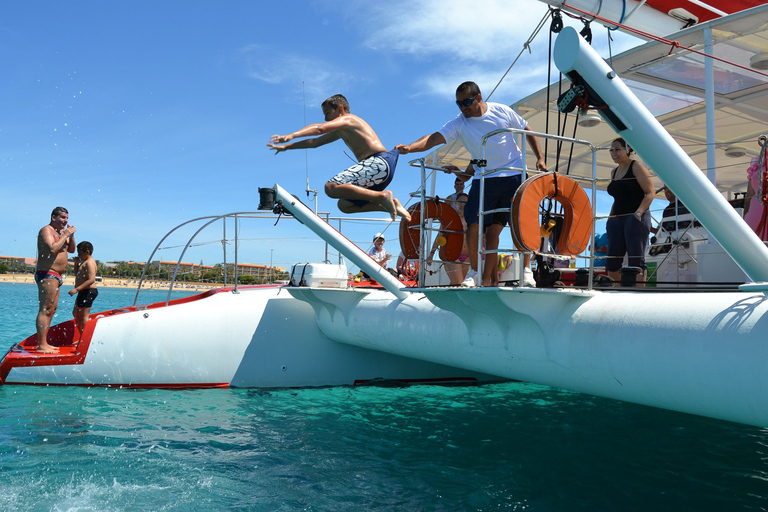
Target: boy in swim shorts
[[85, 286], [360, 188]]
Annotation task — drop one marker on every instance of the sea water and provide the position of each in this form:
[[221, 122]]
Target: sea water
[[511, 446]]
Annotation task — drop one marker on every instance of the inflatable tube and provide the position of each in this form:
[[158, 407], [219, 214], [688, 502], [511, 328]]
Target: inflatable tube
[[577, 212], [450, 226]]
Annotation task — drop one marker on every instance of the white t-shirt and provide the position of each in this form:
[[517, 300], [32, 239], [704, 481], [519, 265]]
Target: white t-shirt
[[500, 150], [378, 256]]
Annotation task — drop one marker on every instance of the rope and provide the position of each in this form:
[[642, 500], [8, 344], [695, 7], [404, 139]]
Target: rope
[[549, 78], [526, 46], [621, 20]]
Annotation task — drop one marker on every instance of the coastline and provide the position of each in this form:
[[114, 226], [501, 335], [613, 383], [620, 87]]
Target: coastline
[[111, 282]]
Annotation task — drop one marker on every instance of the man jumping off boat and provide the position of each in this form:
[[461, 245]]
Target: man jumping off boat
[[54, 241], [360, 188], [476, 119]]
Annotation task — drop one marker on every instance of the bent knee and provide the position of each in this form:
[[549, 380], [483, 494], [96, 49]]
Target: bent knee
[[330, 188]]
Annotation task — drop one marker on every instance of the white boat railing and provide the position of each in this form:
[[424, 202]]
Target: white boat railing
[[234, 240], [525, 171], [422, 195], [208, 221]]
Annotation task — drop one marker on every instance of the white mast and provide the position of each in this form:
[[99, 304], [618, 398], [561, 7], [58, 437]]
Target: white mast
[[659, 150]]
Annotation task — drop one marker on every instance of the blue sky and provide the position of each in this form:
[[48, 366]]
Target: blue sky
[[139, 115]]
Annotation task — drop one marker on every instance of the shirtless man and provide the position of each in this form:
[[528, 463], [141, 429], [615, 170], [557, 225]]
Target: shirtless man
[[54, 241], [361, 187]]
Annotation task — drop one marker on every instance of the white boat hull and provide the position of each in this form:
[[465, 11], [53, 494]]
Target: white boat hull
[[700, 353], [257, 337]]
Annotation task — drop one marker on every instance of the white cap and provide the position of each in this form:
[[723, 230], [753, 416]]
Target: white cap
[[377, 236]]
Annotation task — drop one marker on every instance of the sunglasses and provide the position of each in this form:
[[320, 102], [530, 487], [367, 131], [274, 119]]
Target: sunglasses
[[467, 102]]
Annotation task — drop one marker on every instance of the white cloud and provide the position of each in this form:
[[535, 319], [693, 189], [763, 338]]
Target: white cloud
[[521, 81], [457, 40], [300, 75], [440, 43], [477, 31]]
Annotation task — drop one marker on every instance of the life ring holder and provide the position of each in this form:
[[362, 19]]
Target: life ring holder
[[577, 213], [450, 225]]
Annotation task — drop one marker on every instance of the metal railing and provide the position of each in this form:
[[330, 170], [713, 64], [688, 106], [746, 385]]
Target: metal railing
[[483, 173], [211, 219]]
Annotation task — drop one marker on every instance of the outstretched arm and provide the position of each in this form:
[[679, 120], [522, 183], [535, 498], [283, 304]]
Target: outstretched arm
[[423, 144], [328, 132], [462, 175], [302, 144]]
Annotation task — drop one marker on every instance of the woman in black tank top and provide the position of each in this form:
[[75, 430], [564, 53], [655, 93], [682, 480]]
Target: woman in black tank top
[[629, 225]]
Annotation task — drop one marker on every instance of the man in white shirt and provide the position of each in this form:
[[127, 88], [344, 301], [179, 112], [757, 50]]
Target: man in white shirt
[[478, 118]]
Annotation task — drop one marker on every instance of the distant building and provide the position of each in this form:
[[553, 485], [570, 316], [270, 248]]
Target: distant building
[[184, 268], [17, 259], [260, 272], [243, 269]]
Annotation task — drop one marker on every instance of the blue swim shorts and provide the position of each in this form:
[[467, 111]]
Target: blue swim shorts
[[374, 173], [498, 194]]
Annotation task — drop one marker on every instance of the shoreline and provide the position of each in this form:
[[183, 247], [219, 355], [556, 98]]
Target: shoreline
[[112, 282]]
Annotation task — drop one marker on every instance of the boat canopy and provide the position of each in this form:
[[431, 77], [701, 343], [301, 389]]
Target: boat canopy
[[670, 81]]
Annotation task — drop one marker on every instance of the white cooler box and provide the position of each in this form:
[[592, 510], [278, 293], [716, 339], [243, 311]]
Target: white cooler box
[[319, 275]]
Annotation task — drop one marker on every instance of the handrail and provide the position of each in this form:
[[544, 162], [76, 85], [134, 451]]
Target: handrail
[[421, 162], [211, 219], [524, 170]]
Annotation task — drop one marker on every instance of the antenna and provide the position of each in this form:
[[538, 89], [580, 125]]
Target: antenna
[[306, 151]]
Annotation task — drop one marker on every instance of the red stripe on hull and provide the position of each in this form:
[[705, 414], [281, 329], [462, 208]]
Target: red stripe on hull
[[62, 336], [206, 385]]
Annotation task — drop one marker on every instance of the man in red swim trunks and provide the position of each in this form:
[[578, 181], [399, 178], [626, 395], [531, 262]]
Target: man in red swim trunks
[[54, 241]]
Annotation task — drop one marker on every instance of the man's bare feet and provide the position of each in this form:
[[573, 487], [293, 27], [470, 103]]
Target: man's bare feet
[[47, 349], [401, 211], [389, 204]]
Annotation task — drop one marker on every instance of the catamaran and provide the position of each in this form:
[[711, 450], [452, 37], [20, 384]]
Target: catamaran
[[696, 351]]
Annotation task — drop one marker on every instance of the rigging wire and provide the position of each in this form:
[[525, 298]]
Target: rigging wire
[[306, 151], [549, 80], [526, 46]]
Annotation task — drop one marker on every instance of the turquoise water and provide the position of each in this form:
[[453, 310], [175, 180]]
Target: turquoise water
[[510, 446]]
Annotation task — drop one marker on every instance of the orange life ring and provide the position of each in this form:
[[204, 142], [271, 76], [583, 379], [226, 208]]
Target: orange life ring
[[577, 212], [450, 226]]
